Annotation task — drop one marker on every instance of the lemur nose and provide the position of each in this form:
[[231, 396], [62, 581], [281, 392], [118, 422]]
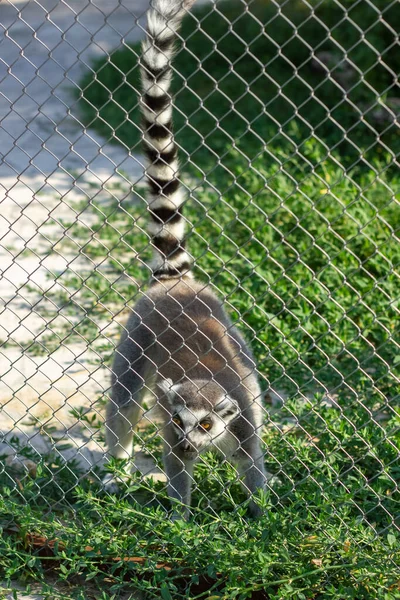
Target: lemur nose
[[185, 445]]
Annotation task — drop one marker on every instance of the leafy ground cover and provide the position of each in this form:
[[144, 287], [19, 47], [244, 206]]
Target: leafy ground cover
[[304, 251]]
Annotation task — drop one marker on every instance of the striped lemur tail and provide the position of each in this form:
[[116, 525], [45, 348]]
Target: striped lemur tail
[[166, 194]]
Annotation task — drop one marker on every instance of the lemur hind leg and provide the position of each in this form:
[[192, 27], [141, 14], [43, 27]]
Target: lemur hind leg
[[130, 383]]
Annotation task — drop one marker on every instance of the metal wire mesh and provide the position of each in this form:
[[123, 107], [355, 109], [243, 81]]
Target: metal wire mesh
[[288, 136]]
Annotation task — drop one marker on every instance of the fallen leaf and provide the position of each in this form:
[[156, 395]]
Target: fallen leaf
[[317, 562]]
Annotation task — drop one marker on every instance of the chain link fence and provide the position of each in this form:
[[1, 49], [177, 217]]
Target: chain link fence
[[287, 120]]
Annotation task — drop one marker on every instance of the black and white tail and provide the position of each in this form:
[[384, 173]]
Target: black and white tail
[[166, 194]]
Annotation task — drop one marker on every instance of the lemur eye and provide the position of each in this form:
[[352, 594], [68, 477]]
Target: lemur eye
[[177, 420], [206, 425]]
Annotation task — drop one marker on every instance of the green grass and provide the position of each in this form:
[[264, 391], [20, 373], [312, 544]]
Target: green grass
[[305, 253], [329, 529], [256, 104], [317, 537]]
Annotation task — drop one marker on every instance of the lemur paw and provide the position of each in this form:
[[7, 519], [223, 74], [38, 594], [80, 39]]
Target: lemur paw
[[111, 484], [180, 515], [255, 511], [273, 480]]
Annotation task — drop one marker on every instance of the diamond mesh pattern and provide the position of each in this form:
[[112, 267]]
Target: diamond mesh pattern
[[287, 124]]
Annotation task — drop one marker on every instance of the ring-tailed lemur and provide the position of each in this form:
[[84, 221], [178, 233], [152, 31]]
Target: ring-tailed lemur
[[179, 342]]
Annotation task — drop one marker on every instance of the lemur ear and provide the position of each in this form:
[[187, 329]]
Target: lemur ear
[[165, 386], [227, 407]]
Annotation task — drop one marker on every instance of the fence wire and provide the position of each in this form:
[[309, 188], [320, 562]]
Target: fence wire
[[286, 117]]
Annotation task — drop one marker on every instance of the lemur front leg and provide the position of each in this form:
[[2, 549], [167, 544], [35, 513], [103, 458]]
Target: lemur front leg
[[179, 473], [249, 462]]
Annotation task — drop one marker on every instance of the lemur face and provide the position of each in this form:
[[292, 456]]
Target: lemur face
[[200, 413]]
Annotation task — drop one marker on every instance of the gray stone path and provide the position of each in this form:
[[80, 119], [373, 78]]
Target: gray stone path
[[48, 160]]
